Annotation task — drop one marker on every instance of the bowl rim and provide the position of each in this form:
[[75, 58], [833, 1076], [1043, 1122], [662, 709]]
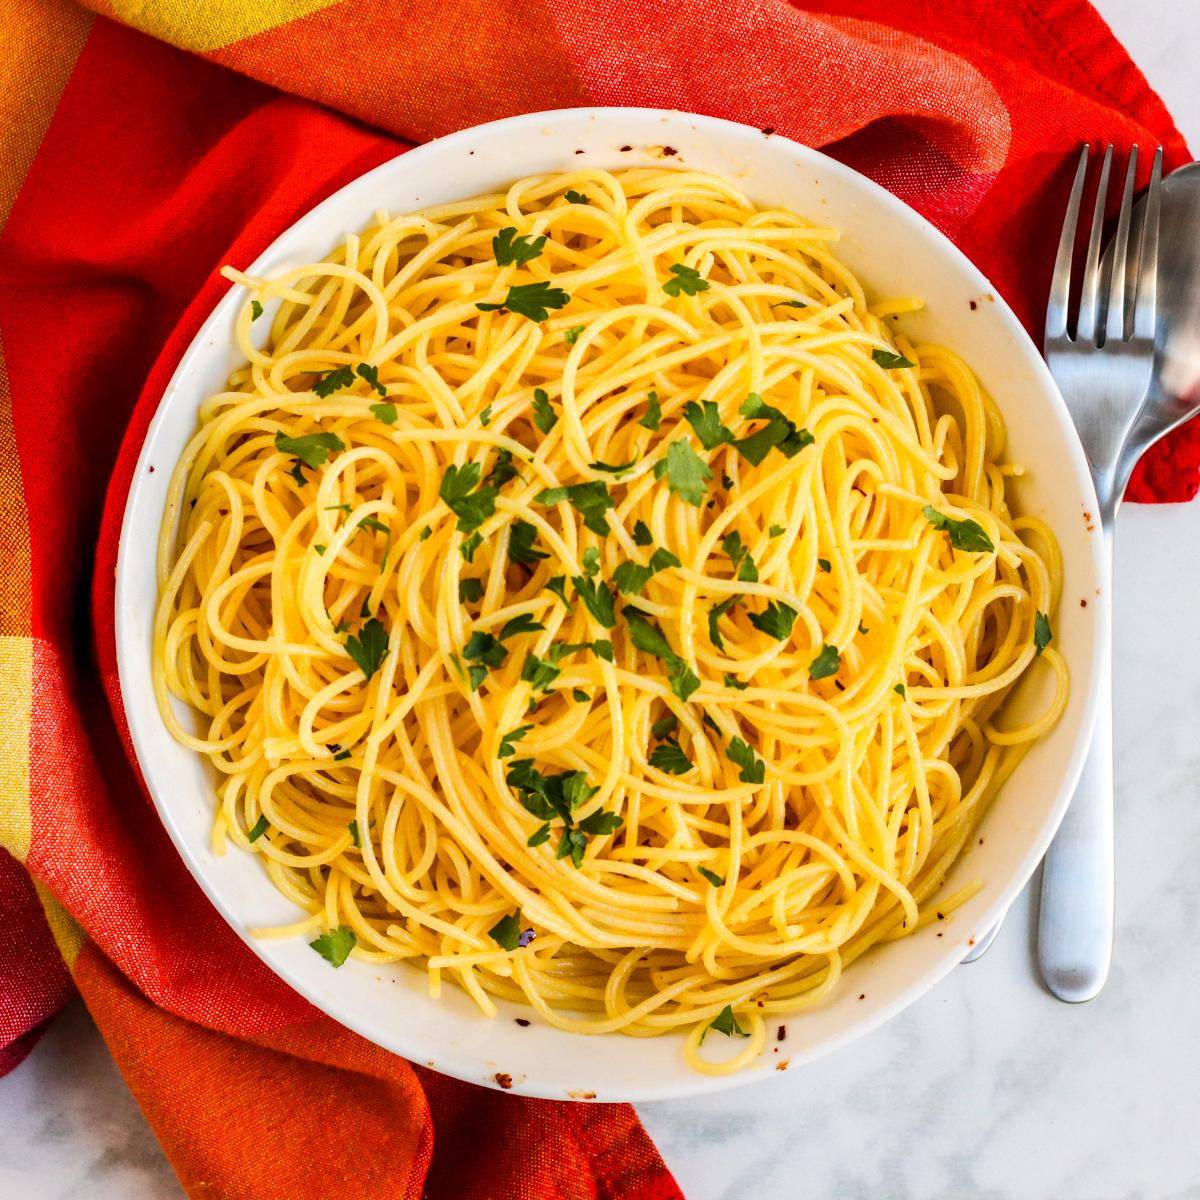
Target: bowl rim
[[463, 1063]]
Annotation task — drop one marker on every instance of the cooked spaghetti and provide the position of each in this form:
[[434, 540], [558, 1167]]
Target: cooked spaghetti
[[588, 596]]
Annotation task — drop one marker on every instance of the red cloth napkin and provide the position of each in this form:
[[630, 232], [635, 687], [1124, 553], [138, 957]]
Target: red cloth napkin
[[130, 170]]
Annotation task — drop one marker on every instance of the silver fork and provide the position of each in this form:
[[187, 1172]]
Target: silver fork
[[1103, 367]]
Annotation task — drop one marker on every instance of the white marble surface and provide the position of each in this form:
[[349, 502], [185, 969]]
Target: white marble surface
[[987, 1089]]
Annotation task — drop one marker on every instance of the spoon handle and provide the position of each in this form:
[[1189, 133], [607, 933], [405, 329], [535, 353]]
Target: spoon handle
[[1075, 921]]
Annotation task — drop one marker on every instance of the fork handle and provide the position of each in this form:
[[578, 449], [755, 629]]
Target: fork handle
[[1075, 921]]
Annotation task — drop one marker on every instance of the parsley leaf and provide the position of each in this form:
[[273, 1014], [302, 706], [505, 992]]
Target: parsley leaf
[[522, 623], [470, 591], [504, 470], [725, 1022], [687, 280], [485, 417], [686, 472], [613, 468], [825, 565], [739, 555], [369, 648], [712, 877], [647, 636], [791, 304], [889, 360], [642, 535], [575, 197], [506, 932], [312, 449], [776, 620], [965, 535], [539, 673], [705, 419], [900, 690], [779, 433], [825, 664], [653, 415], [371, 375], [631, 577], [1042, 634], [714, 615], [558, 585], [510, 248], [597, 599], [777, 531], [469, 546], [682, 678], [544, 417], [532, 300], [520, 544], [335, 946], [471, 504], [341, 377], [385, 413], [668, 756], [581, 696], [256, 310], [374, 523], [353, 828], [753, 769], [732, 681], [571, 336], [260, 827], [591, 561], [591, 500], [664, 725], [506, 748]]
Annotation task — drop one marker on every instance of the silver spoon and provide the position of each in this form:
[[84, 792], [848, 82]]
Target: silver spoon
[[1174, 394]]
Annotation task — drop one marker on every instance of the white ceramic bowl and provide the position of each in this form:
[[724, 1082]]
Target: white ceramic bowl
[[895, 252]]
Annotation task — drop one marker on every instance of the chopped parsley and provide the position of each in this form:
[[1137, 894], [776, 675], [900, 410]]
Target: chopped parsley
[[631, 577], [686, 472], [712, 877], [591, 500], [965, 535], [653, 415], [353, 828], [642, 535], [332, 381], [312, 449], [791, 304], [647, 636], [504, 470], [335, 946], [753, 769], [777, 531], [613, 468], [550, 797], [731, 681], [668, 756], [256, 310], [739, 555], [574, 197], [705, 419], [825, 565], [511, 248], [506, 932], [544, 417], [664, 725], [260, 827], [825, 664], [374, 523], [591, 561], [776, 620], [598, 599], [485, 417], [471, 503], [889, 360], [558, 585], [470, 591], [520, 544], [687, 281], [539, 673], [725, 1022], [371, 375], [714, 615], [900, 690], [1042, 634], [532, 300], [571, 336], [385, 413], [369, 648], [506, 748], [779, 433], [469, 546], [581, 696]]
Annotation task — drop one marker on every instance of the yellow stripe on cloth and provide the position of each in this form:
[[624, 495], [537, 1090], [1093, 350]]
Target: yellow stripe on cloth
[[201, 25], [16, 686], [42, 40], [68, 933]]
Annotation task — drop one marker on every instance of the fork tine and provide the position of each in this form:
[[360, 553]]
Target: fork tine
[[1060, 282], [1145, 308], [1089, 296], [1114, 330]]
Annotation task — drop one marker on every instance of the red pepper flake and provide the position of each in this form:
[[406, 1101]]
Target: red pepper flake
[[578, 151], [524, 1024], [781, 1034], [974, 306], [767, 130], [503, 1080], [151, 468], [970, 941], [862, 995], [939, 935], [782, 1064], [941, 916], [1083, 603], [670, 151], [626, 149]]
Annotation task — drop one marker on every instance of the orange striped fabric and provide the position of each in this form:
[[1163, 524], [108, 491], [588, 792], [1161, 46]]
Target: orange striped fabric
[[143, 145]]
